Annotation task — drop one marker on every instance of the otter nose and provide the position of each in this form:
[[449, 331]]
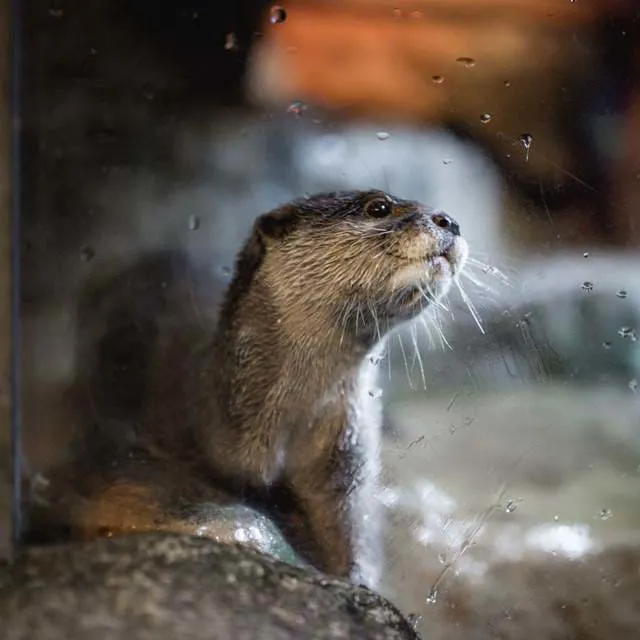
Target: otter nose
[[446, 222]]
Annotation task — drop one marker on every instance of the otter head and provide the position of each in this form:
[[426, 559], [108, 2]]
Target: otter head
[[355, 263]]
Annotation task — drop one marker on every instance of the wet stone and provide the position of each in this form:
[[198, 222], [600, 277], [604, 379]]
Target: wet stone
[[167, 586]]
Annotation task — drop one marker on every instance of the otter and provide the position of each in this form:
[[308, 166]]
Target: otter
[[281, 399]]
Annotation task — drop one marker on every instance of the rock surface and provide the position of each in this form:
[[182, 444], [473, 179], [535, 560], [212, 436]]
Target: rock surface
[[165, 586]]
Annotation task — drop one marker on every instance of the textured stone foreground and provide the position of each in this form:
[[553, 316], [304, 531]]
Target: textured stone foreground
[[165, 586]]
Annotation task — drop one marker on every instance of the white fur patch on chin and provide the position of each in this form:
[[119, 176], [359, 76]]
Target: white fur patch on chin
[[459, 254], [410, 275], [434, 276], [437, 272]]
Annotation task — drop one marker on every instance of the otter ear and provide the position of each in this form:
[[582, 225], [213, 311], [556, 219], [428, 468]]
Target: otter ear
[[276, 224]]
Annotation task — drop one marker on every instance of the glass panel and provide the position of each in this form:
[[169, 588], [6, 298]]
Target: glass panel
[[507, 458], [5, 287]]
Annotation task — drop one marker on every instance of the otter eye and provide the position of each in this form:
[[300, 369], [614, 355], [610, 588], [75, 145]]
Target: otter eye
[[378, 208]]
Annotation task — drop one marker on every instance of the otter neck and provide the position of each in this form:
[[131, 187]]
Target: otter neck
[[298, 354]]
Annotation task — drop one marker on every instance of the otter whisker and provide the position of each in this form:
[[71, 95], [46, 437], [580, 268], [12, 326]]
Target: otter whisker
[[434, 319], [388, 350], [358, 312], [488, 269], [437, 322], [379, 232], [372, 309], [483, 292], [435, 327], [479, 281], [432, 299], [427, 330], [470, 306], [448, 305], [475, 261], [484, 296], [474, 277], [418, 355], [476, 281], [344, 321], [361, 311], [438, 303], [406, 364]]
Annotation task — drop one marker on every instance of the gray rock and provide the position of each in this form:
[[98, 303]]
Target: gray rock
[[165, 586]]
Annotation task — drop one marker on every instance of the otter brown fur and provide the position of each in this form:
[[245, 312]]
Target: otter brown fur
[[282, 398]]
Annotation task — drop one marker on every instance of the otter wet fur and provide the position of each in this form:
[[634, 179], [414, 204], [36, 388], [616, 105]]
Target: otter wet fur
[[281, 399]]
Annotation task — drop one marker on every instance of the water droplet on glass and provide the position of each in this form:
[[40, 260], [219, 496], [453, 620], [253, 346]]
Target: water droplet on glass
[[605, 514], [226, 271], [437, 79], [414, 620], [432, 598], [511, 506], [485, 118], [606, 345], [296, 108], [442, 557], [587, 286], [466, 62], [382, 135], [627, 333], [633, 385], [447, 161], [277, 15], [87, 254], [375, 393], [526, 139], [585, 254], [194, 223], [231, 42], [621, 293], [507, 83], [375, 360]]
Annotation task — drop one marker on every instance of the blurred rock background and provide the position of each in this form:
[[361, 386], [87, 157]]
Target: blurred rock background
[[150, 127]]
